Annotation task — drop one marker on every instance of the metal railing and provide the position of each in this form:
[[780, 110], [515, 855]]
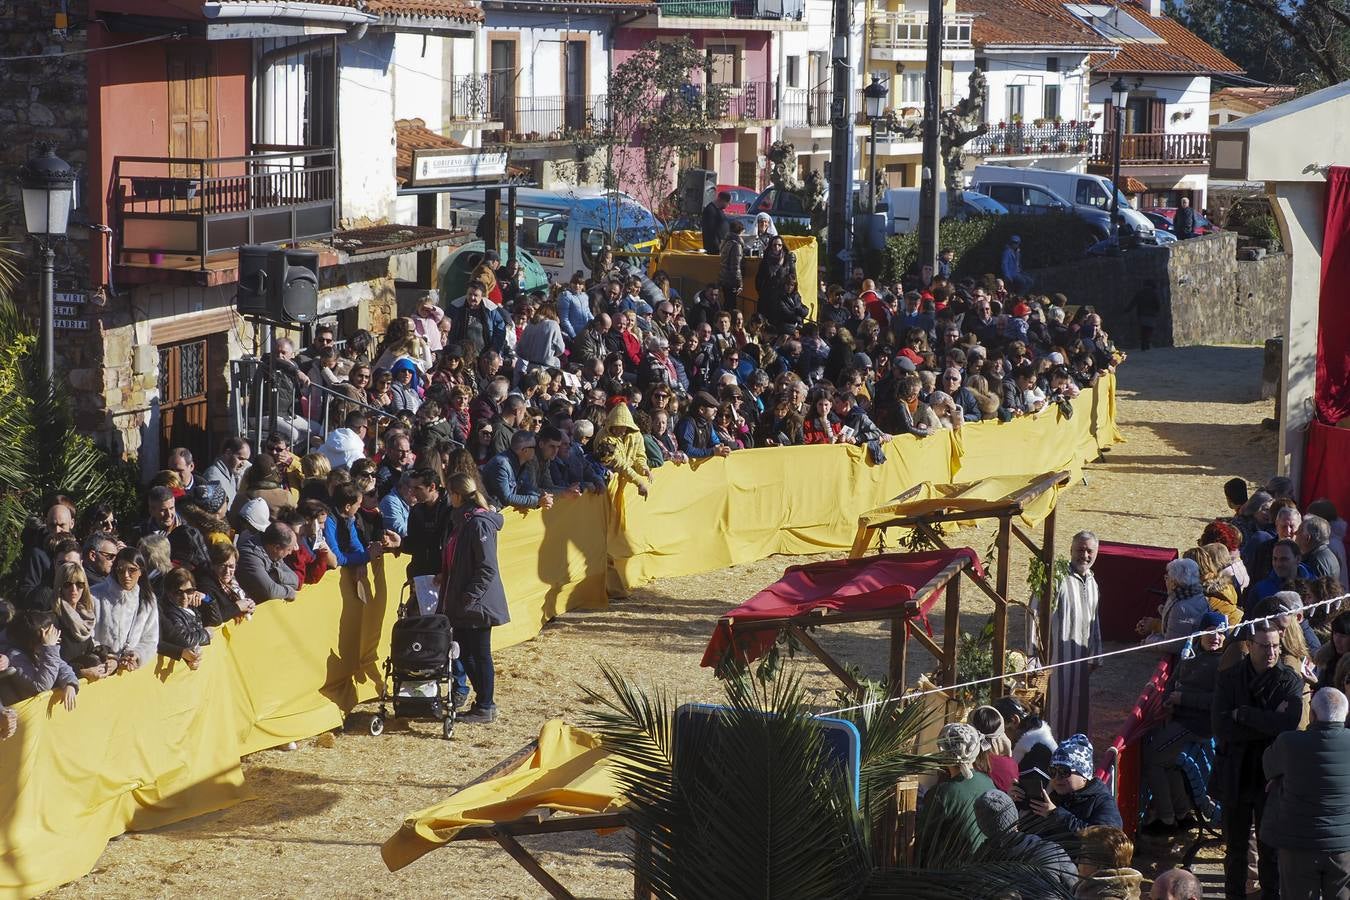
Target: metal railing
[[1150, 149], [806, 107], [469, 97], [734, 9], [196, 207], [550, 118], [909, 30], [749, 101], [1019, 139], [252, 409]]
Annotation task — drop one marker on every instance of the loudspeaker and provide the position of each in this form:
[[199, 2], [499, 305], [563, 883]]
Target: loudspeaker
[[281, 286], [251, 295], [698, 188]]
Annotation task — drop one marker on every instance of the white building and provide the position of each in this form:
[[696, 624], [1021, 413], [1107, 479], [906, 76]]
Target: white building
[[805, 79]]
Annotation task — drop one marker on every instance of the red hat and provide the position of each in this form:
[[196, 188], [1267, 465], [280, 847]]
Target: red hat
[[1021, 310]]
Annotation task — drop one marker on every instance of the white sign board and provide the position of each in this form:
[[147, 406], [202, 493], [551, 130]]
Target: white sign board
[[445, 166]]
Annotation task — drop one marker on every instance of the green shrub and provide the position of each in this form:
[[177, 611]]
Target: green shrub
[[1049, 240], [796, 229]]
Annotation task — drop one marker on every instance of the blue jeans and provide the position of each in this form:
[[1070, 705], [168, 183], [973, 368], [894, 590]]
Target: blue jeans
[[460, 681], [475, 652]]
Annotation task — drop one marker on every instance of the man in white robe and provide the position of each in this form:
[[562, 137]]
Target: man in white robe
[[1075, 633]]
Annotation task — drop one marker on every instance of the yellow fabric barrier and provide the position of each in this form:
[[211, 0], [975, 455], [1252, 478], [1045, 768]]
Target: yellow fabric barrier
[[163, 744], [683, 259], [568, 772]]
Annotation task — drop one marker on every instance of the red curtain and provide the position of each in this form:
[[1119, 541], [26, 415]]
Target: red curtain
[[1333, 317], [1325, 473]]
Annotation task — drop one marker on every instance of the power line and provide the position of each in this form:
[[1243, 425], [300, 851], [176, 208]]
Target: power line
[[159, 37]]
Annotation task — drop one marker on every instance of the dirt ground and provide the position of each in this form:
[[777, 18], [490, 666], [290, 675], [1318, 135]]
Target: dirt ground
[[1191, 418]]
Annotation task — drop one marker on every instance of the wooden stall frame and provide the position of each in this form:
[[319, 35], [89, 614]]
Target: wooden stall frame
[[1005, 510], [540, 821]]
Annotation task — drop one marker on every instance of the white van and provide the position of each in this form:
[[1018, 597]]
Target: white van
[[564, 230], [902, 208], [1087, 193]]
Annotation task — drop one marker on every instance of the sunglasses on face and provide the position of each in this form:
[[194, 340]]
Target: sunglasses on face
[[1060, 771]]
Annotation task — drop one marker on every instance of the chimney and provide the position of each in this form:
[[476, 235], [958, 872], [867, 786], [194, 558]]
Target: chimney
[[1154, 7]]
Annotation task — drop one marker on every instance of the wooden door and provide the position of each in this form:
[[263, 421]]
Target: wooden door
[[502, 96], [574, 85], [190, 89], [183, 411]]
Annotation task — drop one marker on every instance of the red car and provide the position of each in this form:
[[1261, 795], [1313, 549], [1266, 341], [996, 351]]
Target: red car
[[1161, 217], [742, 198]]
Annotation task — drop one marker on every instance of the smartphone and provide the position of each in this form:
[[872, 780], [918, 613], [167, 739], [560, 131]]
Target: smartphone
[[1033, 783]]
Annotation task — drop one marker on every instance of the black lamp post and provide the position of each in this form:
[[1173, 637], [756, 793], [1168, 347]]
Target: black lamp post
[[48, 187], [874, 104], [1120, 95]]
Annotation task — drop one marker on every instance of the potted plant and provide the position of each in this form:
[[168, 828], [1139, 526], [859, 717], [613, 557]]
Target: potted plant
[[1062, 147], [1045, 148]]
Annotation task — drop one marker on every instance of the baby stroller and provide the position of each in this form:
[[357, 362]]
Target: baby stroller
[[417, 673]]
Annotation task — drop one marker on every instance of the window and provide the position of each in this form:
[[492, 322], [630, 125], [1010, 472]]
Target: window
[[1088, 192], [724, 64], [1052, 64], [911, 88], [1009, 195], [1042, 199], [1015, 92], [1050, 101], [794, 71]]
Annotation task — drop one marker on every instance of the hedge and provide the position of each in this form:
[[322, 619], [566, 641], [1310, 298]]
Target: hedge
[[1048, 240]]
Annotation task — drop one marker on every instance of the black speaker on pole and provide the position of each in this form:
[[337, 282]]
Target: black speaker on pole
[[698, 188], [281, 286]]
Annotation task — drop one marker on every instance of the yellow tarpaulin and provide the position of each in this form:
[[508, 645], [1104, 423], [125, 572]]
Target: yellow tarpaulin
[[568, 772], [685, 262], [163, 744], [977, 499]]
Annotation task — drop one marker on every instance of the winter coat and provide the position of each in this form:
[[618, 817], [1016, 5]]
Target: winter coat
[[1308, 806], [1250, 710], [260, 578], [429, 528], [733, 259], [472, 595], [541, 343], [489, 316], [624, 452], [509, 483], [1111, 884], [1048, 856], [1076, 812], [344, 539], [180, 628], [1194, 686], [716, 226], [30, 675], [947, 830]]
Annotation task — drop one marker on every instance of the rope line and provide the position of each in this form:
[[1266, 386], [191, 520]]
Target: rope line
[[1087, 659]]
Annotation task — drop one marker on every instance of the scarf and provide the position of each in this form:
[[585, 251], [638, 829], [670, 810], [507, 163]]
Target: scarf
[[77, 624]]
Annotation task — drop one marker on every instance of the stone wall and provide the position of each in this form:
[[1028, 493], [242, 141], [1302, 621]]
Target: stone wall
[[1208, 296]]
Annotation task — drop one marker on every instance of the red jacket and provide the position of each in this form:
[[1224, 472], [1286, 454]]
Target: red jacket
[[307, 567]]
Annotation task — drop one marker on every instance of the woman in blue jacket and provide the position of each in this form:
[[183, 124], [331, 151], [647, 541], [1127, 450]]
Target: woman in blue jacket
[[340, 531]]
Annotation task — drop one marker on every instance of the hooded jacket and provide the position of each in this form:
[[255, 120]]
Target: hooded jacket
[[625, 452], [1123, 884], [472, 595]]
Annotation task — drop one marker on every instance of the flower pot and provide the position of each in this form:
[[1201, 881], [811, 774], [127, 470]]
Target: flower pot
[[156, 257]]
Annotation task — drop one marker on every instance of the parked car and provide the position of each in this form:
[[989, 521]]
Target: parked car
[[1161, 217], [1024, 198], [742, 198], [1085, 192]]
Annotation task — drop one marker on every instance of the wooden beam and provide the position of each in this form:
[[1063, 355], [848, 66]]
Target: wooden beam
[[531, 865], [939, 581], [1026, 539], [928, 531], [823, 616], [507, 764], [1000, 648], [830, 663], [928, 643], [899, 656], [1038, 487], [951, 627], [1047, 591]]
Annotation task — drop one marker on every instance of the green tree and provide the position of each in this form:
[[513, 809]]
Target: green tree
[[1300, 42]]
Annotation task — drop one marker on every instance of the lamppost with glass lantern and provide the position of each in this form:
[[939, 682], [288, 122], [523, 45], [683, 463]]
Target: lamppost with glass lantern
[[48, 184], [874, 104], [1120, 95]]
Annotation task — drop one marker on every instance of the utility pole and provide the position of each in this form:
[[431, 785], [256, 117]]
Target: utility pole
[[932, 111], [839, 233]]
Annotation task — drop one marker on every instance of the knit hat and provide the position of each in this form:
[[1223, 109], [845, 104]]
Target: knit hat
[[256, 514], [995, 813], [961, 742], [862, 360], [1075, 754], [1212, 620]]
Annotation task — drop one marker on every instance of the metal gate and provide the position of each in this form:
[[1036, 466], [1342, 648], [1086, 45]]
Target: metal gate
[[183, 417]]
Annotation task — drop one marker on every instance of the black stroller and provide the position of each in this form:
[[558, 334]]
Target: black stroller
[[417, 674]]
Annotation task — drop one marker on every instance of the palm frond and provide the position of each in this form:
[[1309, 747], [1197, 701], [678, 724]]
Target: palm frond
[[1008, 867]]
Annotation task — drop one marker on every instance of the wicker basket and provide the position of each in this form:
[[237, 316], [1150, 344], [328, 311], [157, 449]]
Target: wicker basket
[[1031, 689]]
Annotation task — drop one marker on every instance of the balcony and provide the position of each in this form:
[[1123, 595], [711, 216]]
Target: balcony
[[781, 10], [752, 101], [806, 108], [190, 209], [469, 98], [1022, 140], [903, 36], [534, 120], [1172, 150]]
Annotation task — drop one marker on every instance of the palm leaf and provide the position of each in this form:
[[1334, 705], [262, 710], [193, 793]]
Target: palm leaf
[[996, 871]]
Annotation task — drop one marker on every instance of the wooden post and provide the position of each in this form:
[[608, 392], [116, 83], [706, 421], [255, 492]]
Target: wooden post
[[642, 890], [1047, 591], [951, 628], [1000, 648], [899, 656], [907, 815]]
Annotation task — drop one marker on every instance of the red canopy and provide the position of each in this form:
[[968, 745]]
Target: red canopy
[[1130, 580], [882, 582]]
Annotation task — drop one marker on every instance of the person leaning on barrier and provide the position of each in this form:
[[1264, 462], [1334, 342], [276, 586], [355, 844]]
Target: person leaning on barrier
[[126, 614], [508, 478], [262, 571], [1307, 816]]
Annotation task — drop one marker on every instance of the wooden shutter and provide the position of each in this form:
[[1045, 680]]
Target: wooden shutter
[[1157, 115], [190, 88]]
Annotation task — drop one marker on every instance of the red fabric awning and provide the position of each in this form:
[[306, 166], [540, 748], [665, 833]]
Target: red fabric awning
[[1333, 319], [879, 582]]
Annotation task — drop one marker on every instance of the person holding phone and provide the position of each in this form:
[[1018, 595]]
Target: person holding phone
[[1074, 799]]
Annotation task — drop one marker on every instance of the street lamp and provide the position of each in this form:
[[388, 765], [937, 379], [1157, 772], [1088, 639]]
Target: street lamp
[[874, 104], [48, 187], [1120, 95]]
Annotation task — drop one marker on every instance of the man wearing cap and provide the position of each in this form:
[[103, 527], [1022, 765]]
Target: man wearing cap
[[947, 831], [996, 815], [698, 439], [1255, 701], [1308, 804], [1188, 702], [1010, 267]]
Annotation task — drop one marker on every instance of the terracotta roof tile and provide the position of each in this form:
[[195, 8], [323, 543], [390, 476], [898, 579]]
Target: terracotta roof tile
[[1183, 51], [1000, 22], [1255, 98], [413, 134], [455, 10]]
